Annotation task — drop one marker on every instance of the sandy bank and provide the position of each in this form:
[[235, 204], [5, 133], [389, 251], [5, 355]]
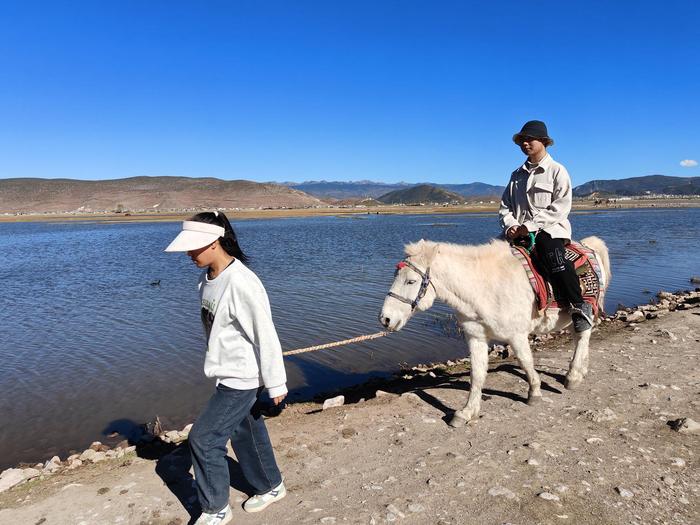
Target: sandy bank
[[333, 211], [601, 454]]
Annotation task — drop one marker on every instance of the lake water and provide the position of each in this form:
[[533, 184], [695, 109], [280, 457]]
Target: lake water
[[88, 343]]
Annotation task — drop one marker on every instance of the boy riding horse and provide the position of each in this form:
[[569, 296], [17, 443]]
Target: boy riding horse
[[537, 200]]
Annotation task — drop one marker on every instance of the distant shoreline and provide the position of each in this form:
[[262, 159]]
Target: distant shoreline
[[330, 211]]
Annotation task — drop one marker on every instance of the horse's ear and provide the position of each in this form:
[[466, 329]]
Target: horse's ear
[[430, 250]]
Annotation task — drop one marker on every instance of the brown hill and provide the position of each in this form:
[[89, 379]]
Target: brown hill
[[144, 193]]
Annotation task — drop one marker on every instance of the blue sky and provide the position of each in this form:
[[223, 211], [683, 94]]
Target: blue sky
[[307, 90]]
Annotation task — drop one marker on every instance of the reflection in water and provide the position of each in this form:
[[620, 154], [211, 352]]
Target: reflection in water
[[88, 338]]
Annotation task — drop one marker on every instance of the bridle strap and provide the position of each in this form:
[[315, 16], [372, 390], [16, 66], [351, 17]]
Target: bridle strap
[[425, 282]]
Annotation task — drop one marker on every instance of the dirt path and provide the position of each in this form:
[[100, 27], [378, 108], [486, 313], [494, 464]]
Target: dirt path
[[602, 454]]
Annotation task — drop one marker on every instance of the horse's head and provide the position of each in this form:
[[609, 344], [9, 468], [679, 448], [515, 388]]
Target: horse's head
[[412, 288]]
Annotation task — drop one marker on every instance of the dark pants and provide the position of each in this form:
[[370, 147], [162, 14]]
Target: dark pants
[[560, 272], [230, 414]]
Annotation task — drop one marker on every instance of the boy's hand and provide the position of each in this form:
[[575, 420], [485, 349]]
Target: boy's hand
[[516, 231]]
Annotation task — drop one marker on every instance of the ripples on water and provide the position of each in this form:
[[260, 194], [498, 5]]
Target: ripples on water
[[86, 339]]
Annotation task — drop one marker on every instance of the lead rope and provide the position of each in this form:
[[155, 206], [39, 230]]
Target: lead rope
[[358, 339]]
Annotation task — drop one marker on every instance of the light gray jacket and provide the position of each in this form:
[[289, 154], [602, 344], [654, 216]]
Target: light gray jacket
[[539, 199]]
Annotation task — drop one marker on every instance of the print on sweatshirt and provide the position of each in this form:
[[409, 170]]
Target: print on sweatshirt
[[207, 313]]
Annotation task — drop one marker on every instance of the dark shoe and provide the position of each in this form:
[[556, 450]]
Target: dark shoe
[[582, 317]]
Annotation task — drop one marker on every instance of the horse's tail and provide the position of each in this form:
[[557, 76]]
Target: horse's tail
[[601, 252]]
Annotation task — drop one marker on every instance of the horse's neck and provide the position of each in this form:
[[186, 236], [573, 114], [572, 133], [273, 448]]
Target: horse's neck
[[459, 279]]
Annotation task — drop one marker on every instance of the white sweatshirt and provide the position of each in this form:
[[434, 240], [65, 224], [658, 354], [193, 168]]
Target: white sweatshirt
[[243, 349]]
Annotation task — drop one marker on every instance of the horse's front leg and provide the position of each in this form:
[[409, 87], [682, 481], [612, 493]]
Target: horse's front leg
[[479, 352], [521, 348], [579, 364]]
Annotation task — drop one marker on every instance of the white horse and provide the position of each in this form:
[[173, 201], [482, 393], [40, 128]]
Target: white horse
[[491, 295]]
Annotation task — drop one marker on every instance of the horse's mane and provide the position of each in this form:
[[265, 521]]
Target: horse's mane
[[426, 250]]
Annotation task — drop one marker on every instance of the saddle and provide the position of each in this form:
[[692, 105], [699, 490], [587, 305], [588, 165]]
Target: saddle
[[585, 264]]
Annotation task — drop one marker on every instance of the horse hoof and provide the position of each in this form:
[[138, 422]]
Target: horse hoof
[[572, 384], [457, 421], [534, 400]]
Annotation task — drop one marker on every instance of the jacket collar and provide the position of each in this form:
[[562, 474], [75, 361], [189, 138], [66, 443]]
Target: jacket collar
[[541, 166]]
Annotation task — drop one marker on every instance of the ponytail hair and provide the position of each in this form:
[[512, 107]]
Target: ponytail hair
[[228, 242]]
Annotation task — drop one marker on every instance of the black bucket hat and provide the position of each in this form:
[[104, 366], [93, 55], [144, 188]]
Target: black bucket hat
[[536, 129]]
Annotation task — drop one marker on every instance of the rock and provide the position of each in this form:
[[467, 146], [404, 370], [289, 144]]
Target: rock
[[594, 440], [174, 436], [123, 444], [187, 429], [52, 465], [534, 445], [333, 402], [668, 480], [678, 462], [11, 477], [635, 317], [685, 425], [88, 455], [99, 456], [95, 445], [75, 463], [347, 433], [30, 473], [533, 462], [395, 511], [625, 493], [695, 279], [501, 491], [548, 496], [416, 508], [598, 416], [669, 334], [382, 393], [328, 519]]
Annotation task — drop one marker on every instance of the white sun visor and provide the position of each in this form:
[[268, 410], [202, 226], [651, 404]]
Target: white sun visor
[[195, 235]]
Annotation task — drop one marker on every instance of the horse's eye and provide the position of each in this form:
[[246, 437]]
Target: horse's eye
[[411, 281]]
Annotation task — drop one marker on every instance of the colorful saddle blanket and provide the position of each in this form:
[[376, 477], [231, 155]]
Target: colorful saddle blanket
[[587, 269]]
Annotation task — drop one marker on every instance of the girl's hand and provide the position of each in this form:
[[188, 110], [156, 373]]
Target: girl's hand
[[277, 400]]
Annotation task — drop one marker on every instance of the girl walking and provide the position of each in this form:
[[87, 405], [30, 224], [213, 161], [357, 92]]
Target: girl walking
[[245, 356]]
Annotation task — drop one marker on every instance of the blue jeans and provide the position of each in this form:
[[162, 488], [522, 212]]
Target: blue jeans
[[230, 414]]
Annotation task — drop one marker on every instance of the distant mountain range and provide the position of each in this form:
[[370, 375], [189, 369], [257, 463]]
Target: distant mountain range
[[144, 193], [365, 189], [423, 193], [651, 184], [346, 190], [184, 193]]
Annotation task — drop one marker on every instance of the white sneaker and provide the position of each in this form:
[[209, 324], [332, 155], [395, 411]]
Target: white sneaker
[[219, 518], [261, 501]]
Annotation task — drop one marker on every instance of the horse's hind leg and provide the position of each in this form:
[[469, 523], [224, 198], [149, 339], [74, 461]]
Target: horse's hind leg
[[479, 352], [521, 347], [579, 364]]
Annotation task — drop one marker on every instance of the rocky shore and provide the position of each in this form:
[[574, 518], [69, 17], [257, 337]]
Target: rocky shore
[[622, 449]]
